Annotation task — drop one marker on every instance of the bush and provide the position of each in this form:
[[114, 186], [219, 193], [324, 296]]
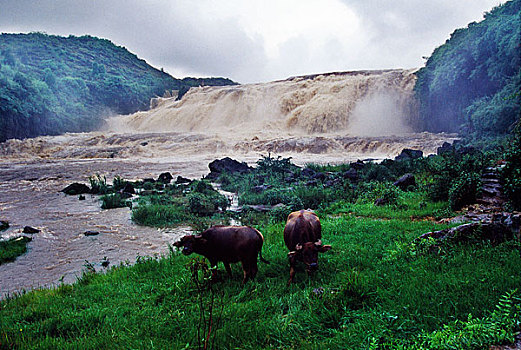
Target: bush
[[114, 200], [371, 191], [511, 173], [464, 190]]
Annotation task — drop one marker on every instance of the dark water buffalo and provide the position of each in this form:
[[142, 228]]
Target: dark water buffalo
[[229, 244], [302, 237]]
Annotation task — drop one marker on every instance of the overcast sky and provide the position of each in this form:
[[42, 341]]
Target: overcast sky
[[255, 41]]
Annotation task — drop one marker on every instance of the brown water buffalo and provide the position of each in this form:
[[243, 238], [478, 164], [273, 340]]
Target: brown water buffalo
[[302, 237], [229, 244]]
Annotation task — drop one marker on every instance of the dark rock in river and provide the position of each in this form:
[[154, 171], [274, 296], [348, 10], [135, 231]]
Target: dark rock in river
[[226, 165], [4, 225], [165, 178], [408, 153], [91, 233], [405, 181], [29, 229], [76, 188]]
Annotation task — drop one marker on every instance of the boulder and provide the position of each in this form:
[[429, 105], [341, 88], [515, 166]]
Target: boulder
[[445, 148], [261, 188], [308, 172], [31, 230], [227, 165], [91, 233], [76, 188], [408, 153], [165, 178], [182, 180], [495, 232], [128, 188], [4, 225], [358, 165], [351, 174], [405, 181]]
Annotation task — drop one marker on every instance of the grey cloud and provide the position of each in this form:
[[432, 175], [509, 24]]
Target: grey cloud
[[166, 34]]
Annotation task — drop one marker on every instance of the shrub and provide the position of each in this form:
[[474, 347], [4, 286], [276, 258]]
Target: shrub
[[114, 200], [464, 190], [511, 173]]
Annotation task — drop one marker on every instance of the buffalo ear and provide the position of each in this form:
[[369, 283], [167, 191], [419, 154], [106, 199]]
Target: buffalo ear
[[318, 243], [324, 248], [292, 254], [298, 247]]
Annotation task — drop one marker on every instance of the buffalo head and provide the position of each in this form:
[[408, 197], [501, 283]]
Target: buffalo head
[[308, 254], [189, 242]]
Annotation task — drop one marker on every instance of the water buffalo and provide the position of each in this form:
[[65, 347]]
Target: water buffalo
[[302, 237], [229, 244]]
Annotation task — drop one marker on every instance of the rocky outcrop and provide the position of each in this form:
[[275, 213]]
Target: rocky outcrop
[[409, 154], [76, 188], [496, 228], [405, 181], [226, 165]]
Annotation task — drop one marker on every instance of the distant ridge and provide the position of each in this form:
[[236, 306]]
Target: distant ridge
[[51, 84]]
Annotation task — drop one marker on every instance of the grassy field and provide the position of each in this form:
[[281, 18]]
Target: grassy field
[[375, 288]]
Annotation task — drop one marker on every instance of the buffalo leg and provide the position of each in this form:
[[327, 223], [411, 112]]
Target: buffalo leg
[[228, 269], [291, 272]]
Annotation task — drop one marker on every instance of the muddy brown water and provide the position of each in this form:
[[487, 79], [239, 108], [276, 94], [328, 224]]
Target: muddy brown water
[[30, 195]]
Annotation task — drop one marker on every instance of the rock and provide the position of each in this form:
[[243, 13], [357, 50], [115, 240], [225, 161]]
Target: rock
[[76, 188], [495, 232], [445, 148], [30, 230], [81, 197], [408, 153], [165, 178], [261, 188], [226, 165], [182, 180], [319, 176], [380, 202], [144, 143], [351, 174], [405, 181], [358, 165], [128, 188], [91, 233], [308, 172], [4, 225]]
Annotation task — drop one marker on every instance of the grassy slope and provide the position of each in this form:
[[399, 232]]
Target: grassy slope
[[373, 287]]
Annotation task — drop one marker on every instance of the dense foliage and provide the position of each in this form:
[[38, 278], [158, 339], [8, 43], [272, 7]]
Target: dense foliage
[[51, 84], [472, 83], [512, 171]]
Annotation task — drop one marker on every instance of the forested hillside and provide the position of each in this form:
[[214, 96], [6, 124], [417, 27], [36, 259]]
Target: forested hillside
[[471, 84], [51, 84]]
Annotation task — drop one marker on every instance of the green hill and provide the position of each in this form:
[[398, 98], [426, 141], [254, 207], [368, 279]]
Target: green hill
[[51, 84], [471, 84]]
